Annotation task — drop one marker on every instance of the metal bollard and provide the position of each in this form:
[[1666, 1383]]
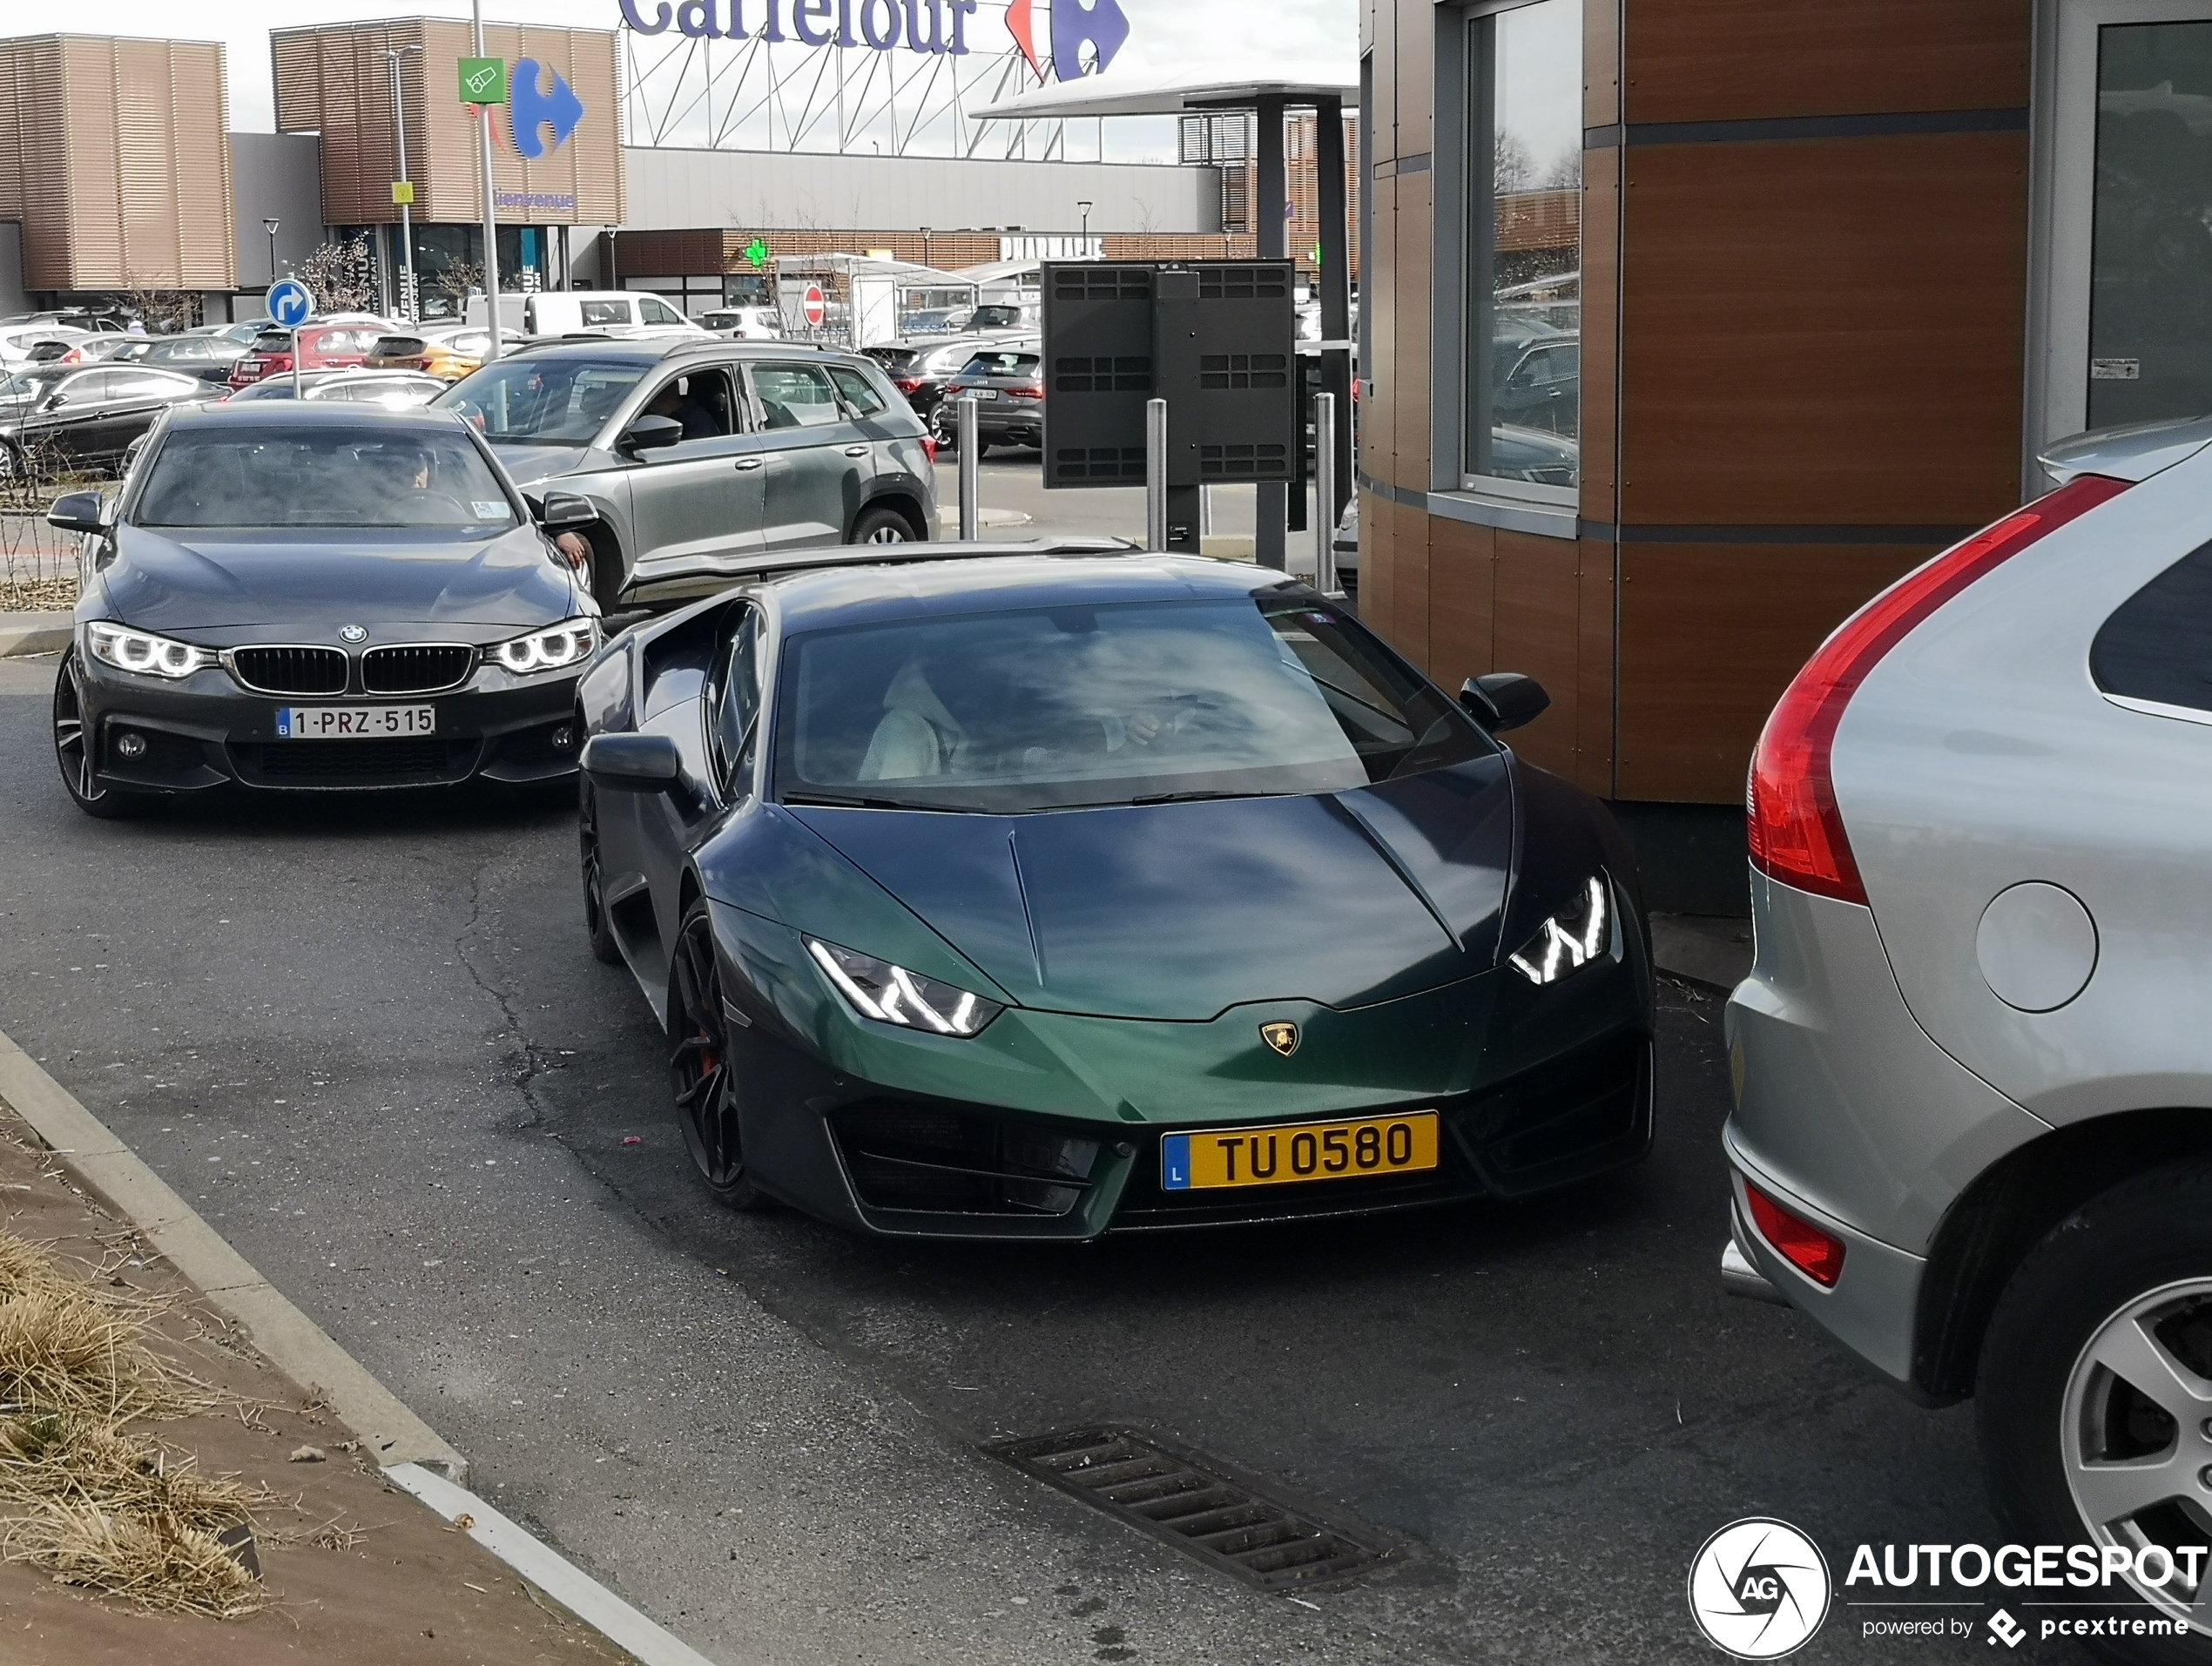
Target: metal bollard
[[1155, 475], [1325, 494], [971, 513]]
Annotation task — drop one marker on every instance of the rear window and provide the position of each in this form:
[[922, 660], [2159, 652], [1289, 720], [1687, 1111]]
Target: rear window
[[2157, 645], [859, 393], [1003, 364]]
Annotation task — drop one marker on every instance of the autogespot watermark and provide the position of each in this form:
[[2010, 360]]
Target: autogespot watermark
[[1759, 1588]]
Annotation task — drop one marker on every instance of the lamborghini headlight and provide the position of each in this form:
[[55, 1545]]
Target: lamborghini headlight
[[891, 994], [144, 653], [1580, 932], [569, 643]]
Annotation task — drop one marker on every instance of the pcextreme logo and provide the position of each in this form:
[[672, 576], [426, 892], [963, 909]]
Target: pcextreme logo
[[1759, 1588], [1101, 26]]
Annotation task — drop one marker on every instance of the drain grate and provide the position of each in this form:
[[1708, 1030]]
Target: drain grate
[[1229, 1523]]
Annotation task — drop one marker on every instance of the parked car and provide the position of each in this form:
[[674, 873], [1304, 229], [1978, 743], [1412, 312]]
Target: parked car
[[243, 332], [319, 346], [1544, 389], [974, 921], [700, 457], [400, 389], [1973, 1135], [628, 313], [84, 418], [1008, 381], [207, 357], [920, 366], [324, 597], [745, 323], [446, 351], [18, 342], [95, 350]]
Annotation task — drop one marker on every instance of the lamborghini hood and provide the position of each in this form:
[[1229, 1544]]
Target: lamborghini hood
[[1178, 911]]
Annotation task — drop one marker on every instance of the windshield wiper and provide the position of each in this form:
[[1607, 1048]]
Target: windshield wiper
[[839, 801], [1200, 792]]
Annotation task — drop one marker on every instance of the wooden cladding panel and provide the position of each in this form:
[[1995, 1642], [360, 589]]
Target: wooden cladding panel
[[1416, 122], [1378, 555], [1733, 60], [1594, 702], [1710, 635], [1600, 332], [1462, 581], [1538, 631], [1413, 368], [1383, 122], [1826, 332], [1376, 428], [1409, 602], [1601, 63]]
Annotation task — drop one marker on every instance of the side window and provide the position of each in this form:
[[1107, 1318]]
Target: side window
[[604, 312], [2154, 646], [88, 386], [795, 396], [859, 393], [654, 310], [141, 384], [737, 701], [703, 400]]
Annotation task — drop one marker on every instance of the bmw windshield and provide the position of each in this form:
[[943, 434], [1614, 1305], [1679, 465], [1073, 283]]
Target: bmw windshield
[[1125, 703], [550, 400], [324, 476]]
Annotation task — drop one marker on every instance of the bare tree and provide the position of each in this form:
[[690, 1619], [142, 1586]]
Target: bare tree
[[341, 276], [1565, 172], [1511, 167], [164, 312]]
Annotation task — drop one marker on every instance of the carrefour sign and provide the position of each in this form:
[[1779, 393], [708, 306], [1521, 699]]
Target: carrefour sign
[[929, 26]]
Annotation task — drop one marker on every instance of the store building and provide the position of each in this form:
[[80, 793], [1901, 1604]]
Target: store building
[[1693, 324]]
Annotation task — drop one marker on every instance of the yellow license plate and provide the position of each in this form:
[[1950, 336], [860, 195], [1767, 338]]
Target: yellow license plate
[[1405, 1143]]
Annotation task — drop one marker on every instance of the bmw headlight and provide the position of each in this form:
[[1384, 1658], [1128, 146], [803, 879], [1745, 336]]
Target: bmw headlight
[[569, 643], [1580, 932], [144, 653], [891, 994]]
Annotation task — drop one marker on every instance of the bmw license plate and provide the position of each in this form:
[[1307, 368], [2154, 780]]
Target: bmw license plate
[[1366, 1146], [354, 722]]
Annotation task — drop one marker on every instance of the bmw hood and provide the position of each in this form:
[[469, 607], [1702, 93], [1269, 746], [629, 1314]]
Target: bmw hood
[[224, 579], [1179, 911]]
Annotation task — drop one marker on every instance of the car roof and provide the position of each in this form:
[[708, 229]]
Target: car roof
[[258, 414], [653, 351], [822, 598]]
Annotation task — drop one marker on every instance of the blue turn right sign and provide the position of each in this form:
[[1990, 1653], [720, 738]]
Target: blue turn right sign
[[289, 303]]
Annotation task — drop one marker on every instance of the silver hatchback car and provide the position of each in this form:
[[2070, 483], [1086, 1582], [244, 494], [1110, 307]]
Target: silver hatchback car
[[1973, 1062], [699, 457]]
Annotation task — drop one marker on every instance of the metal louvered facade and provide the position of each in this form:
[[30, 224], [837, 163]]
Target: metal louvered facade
[[112, 157], [335, 80]]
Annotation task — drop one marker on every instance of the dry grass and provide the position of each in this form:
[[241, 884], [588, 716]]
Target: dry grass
[[55, 594], [96, 1506]]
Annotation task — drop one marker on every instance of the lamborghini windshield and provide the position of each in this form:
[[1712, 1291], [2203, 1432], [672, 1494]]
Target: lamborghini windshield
[[1050, 708]]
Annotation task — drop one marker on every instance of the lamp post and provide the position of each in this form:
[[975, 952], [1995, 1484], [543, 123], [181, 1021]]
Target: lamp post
[[407, 306], [1085, 207], [491, 215], [270, 225]]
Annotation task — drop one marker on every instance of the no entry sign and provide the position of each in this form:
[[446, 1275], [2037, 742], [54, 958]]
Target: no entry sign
[[817, 308]]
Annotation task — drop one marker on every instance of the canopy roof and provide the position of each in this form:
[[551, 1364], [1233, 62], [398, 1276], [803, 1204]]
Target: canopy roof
[[1178, 95]]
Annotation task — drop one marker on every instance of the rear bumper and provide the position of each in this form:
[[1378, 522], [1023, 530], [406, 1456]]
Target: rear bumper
[[1850, 1117], [205, 731]]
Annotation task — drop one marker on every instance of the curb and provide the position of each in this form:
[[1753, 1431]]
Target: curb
[[574, 1590], [404, 1444], [34, 633]]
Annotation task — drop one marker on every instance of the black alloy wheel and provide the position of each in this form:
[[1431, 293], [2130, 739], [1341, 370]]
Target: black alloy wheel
[[704, 1075], [73, 749], [882, 526], [596, 923]]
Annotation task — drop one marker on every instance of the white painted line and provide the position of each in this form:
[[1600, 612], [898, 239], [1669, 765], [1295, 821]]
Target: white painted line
[[560, 1579], [286, 1337]]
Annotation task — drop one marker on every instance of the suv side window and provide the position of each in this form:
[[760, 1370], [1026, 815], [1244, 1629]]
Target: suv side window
[[654, 310], [794, 396], [604, 312], [859, 393], [734, 704], [2152, 648], [703, 400]]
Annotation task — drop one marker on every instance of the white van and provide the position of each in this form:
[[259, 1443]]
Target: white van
[[629, 312]]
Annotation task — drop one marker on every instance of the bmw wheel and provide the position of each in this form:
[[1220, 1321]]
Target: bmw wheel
[[73, 749], [2094, 1398], [596, 923], [882, 526], [705, 1073]]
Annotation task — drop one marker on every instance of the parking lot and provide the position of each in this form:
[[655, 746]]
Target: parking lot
[[367, 1042]]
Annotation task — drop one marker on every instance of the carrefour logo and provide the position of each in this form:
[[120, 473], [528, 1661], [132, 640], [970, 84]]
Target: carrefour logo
[[535, 110], [1082, 38]]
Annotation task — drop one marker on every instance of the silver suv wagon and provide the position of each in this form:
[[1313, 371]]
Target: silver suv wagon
[[701, 457]]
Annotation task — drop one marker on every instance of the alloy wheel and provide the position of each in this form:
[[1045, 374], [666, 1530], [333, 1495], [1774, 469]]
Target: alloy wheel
[[890, 532], [2136, 1437], [705, 1091], [73, 750], [596, 926]]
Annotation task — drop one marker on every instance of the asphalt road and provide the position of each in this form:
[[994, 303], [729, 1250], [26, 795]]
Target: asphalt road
[[366, 1041]]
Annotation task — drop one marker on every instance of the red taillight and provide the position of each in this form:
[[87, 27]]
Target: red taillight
[[929, 447], [1026, 390], [906, 384], [1805, 1246], [1797, 832]]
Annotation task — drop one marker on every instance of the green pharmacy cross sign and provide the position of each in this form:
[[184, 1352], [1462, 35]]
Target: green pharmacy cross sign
[[483, 80], [757, 252]]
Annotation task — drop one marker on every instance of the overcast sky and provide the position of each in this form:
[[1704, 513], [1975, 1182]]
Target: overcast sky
[[1164, 34]]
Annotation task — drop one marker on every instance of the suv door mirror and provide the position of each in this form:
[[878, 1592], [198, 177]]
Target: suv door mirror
[[651, 434], [564, 509], [76, 512], [632, 762], [1504, 700]]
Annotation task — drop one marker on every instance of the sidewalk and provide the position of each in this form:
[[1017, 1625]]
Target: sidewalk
[[352, 1571]]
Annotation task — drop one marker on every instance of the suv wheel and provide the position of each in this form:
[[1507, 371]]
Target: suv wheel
[[883, 526], [2095, 1394]]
